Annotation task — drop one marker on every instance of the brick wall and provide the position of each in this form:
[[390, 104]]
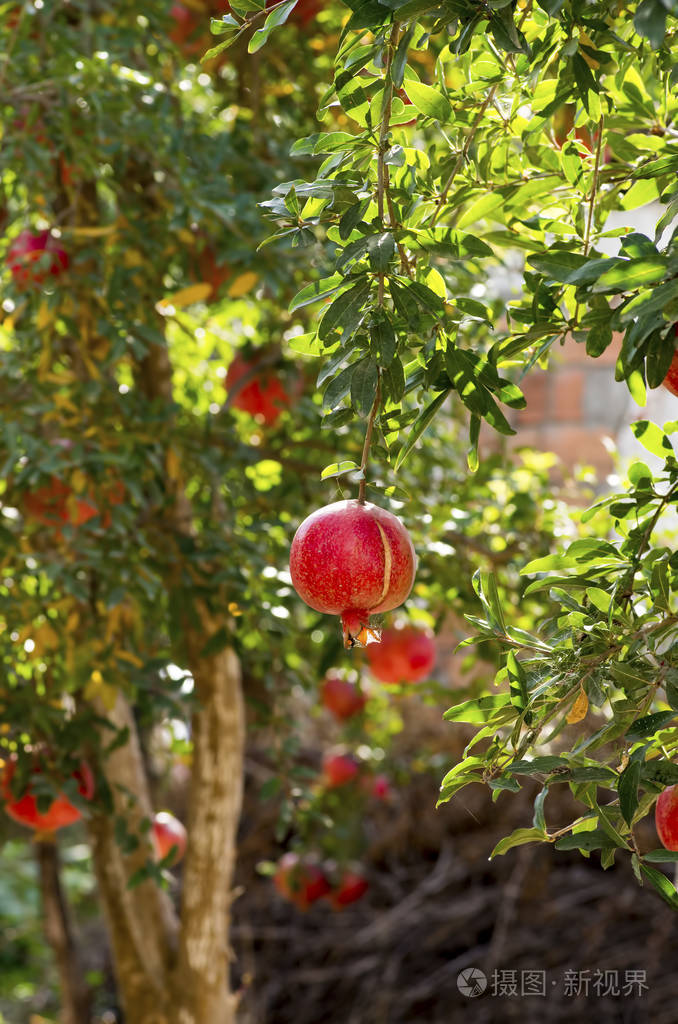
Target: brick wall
[[576, 407]]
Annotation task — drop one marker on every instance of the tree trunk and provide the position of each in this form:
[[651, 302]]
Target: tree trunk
[[141, 921], [201, 980], [75, 995]]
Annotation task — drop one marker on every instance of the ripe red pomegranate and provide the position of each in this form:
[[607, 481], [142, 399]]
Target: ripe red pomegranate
[[670, 381], [33, 257], [168, 833], [405, 655], [301, 881], [352, 560], [666, 817], [339, 769], [55, 503], [262, 395], [352, 887], [61, 811], [190, 26], [342, 698]]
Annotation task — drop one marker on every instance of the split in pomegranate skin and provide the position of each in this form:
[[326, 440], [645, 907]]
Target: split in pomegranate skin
[[670, 381], [353, 560], [666, 817], [405, 655], [60, 813]]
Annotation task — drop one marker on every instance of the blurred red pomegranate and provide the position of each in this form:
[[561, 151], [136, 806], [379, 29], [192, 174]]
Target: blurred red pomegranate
[[405, 655]]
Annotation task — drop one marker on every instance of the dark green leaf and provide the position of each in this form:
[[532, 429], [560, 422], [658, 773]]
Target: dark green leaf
[[628, 790], [364, 384]]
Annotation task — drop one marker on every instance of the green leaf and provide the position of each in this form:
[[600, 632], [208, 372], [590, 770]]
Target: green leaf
[[345, 312], [596, 840], [278, 16], [338, 389], [383, 342], [399, 62], [652, 438], [537, 766], [626, 275], [419, 426], [364, 383], [660, 771], [381, 249], [428, 101], [520, 837], [628, 790], [478, 710], [662, 856], [650, 21], [649, 725], [316, 291], [666, 889], [337, 469]]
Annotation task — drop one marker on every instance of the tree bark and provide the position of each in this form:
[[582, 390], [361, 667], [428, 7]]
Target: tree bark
[[75, 995], [141, 921], [201, 980]]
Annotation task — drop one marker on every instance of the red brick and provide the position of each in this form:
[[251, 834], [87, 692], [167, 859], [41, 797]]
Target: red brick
[[535, 387], [567, 403]]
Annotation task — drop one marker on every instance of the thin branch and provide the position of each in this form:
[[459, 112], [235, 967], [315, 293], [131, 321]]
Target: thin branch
[[464, 153], [368, 441]]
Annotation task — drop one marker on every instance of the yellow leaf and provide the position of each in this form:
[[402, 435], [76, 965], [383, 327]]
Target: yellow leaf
[[579, 709], [172, 465], [132, 258], [44, 317], [45, 639], [234, 609], [243, 284], [186, 236], [93, 232], [186, 296], [72, 622], [128, 656], [78, 481]]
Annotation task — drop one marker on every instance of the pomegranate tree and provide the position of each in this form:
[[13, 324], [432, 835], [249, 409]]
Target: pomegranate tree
[[352, 559], [405, 655], [61, 811], [34, 256], [300, 880], [168, 834], [342, 698]]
